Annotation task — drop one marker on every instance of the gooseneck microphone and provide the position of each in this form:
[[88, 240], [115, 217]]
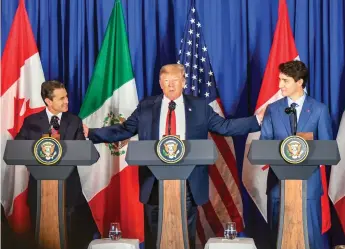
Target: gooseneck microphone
[[172, 106], [54, 123], [293, 117]]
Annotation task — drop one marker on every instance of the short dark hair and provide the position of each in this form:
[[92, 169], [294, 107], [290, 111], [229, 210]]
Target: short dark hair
[[295, 69], [48, 87]]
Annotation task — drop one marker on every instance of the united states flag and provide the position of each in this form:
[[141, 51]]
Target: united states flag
[[225, 198]]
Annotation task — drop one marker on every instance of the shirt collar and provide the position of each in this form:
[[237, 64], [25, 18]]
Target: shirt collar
[[50, 115], [299, 101], [178, 101]]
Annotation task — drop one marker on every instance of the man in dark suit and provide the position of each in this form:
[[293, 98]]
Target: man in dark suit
[[194, 119], [56, 119], [312, 116]]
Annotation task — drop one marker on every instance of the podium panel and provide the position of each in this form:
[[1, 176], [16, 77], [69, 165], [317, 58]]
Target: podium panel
[[51, 215], [172, 216], [293, 230]]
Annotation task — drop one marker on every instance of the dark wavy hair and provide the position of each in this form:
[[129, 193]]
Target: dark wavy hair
[[295, 69], [48, 87]]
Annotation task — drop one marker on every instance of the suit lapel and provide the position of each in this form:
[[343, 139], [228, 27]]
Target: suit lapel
[[305, 114], [44, 122], [189, 113], [156, 113], [63, 125], [284, 116]]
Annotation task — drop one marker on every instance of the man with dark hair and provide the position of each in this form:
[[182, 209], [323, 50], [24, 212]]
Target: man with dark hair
[[312, 116], [56, 118]]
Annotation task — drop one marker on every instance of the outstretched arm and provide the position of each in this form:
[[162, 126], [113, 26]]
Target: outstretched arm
[[266, 127], [231, 127], [115, 133]]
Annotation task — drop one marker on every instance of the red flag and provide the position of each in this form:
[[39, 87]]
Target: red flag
[[283, 49], [21, 78]]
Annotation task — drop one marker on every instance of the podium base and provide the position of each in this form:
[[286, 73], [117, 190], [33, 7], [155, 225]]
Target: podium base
[[293, 230], [172, 217], [50, 220]]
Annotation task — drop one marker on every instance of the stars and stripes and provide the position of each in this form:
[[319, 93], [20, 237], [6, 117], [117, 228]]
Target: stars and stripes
[[225, 199]]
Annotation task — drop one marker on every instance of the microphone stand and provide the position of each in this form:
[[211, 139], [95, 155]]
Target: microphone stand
[[294, 129], [50, 131], [169, 122], [172, 106]]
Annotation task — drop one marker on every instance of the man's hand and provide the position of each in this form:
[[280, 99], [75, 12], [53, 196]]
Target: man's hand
[[86, 130], [261, 113]]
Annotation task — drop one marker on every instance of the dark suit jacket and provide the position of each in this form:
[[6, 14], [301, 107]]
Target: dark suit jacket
[[314, 118], [71, 128], [200, 119]]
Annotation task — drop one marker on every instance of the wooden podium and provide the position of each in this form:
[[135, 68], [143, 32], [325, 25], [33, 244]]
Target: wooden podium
[[172, 217], [293, 230], [50, 218]]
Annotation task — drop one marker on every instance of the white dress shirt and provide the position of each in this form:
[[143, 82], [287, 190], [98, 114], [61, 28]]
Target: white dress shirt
[[180, 117], [299, 106], [50, 115]]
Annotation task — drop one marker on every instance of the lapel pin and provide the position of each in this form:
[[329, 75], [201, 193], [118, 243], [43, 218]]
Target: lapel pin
[[190, 109]]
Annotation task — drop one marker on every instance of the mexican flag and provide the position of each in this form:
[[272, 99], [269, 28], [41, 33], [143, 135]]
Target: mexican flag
[[110, 186]]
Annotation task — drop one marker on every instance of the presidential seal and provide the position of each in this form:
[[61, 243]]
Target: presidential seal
[[170, 149], [116, 149], [47, 150], [294, 149]]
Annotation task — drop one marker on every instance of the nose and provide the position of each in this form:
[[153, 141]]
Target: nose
[[281, 84]]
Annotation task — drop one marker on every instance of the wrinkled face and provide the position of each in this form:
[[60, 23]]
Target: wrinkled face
[[172, 84], [289, 87], [59, 102]]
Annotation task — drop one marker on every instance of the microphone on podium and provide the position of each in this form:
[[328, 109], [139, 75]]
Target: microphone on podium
[[293, 118], [172, 106]]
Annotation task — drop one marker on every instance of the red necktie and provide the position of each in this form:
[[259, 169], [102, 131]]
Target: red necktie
[[172, 122]]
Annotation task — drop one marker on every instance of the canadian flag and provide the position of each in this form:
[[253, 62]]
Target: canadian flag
[[21, 80], [254, 178]]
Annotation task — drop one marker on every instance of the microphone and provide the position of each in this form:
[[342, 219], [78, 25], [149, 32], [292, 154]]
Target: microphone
[[289, 110], [172, 106], [54, 124], [293, 118]]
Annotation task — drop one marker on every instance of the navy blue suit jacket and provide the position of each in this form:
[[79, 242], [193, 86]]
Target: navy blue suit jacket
[[200, 119], [314, 118], [71, 128]]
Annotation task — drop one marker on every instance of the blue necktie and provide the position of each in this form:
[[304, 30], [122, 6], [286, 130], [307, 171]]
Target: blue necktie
[[292, 117]]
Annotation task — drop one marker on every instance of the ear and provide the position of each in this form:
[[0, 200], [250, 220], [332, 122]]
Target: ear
[[183, 82], [161, 83], [47, 101], [300, 82]]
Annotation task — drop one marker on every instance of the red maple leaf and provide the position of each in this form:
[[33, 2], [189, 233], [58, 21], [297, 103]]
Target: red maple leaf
[[19, 119]]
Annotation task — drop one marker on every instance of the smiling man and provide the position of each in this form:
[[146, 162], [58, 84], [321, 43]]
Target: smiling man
[[312, 116], [56, 119], [192, 118]]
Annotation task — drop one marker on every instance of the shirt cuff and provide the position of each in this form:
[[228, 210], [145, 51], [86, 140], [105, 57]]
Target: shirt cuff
[[258, 119]]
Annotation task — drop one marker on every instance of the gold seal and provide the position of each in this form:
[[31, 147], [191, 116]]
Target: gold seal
[[170, 149], [294, 149], [48, 150]]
